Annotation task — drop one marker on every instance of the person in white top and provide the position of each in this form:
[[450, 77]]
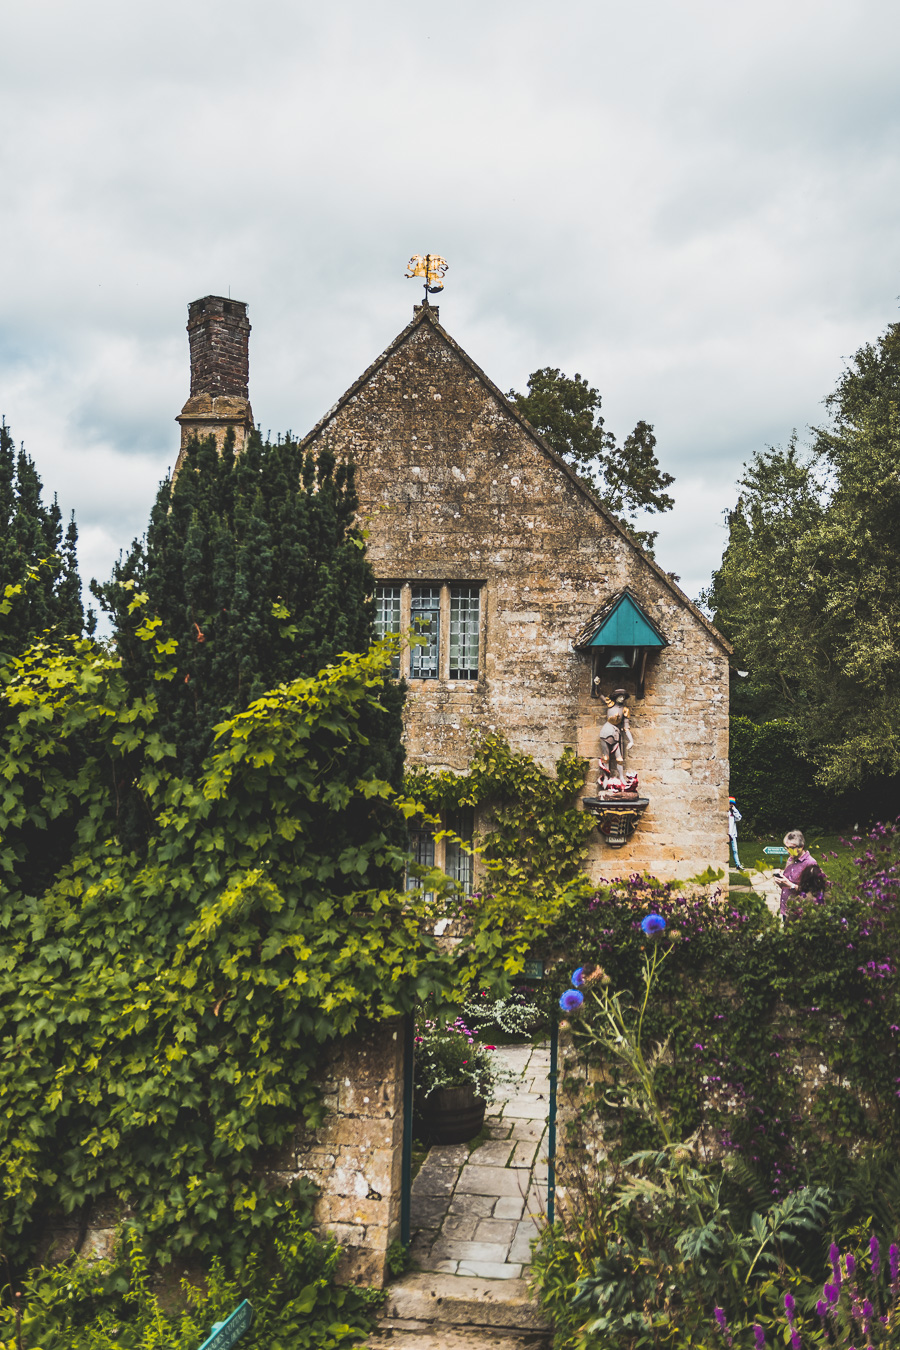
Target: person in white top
[[734, 816]]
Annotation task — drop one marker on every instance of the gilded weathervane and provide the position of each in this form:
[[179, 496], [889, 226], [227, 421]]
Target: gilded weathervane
[[432, 267]]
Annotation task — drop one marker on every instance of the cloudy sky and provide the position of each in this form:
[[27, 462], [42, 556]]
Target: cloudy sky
[[692, 203]]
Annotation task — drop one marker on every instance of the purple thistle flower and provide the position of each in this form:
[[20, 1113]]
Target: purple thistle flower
[[759, 1336], [875, 1254], [653, 923], [571, 1001]]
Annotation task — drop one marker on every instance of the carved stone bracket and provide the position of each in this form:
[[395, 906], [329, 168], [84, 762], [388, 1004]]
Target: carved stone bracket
[[617, 817]]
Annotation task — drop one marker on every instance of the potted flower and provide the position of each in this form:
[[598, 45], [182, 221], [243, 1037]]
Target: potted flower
[[455, 1079]]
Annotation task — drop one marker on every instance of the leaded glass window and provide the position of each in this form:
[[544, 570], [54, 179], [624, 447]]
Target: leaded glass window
[[387, 617], [426, 623], [459, 862], [421, 848], [465, 613]]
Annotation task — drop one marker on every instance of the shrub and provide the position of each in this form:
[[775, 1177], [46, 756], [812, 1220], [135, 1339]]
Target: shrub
[[667, 1247], [741, 1001], [515, 1016], [113, 1305], [700, 1189]]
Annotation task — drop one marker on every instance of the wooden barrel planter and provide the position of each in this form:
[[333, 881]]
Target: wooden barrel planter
[[451, 1115]]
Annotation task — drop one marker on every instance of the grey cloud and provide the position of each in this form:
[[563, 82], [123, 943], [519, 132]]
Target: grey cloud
[[693, 205]]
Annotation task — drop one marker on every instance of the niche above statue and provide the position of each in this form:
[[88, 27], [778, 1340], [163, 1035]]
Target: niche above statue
[[619, 638]]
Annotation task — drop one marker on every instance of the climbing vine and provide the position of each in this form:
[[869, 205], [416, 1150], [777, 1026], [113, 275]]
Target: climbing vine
[[531, 848], [536, 836], [163, 1003]]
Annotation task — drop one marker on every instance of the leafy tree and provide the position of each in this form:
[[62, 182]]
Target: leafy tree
[[808, 586], [256, 568], [35, 549], [40, 602], [627, 479]]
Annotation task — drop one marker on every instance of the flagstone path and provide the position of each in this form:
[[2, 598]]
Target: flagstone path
[[477, 1213]]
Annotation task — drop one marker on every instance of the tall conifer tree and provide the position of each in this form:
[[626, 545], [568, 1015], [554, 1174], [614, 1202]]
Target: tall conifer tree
[[256, 567], [32, 540], [38, 555]]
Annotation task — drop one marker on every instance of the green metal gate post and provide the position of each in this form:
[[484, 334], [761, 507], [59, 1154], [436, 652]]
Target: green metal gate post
[[551, 1123]]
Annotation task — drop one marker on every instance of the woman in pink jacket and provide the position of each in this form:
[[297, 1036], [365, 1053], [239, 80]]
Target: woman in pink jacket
[[795, 879]]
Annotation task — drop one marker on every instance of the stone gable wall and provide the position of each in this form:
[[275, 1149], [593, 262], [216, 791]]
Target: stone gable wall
[[453, 488]]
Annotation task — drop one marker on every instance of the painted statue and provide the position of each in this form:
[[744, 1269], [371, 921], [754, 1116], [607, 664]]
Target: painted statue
[[615, 738]]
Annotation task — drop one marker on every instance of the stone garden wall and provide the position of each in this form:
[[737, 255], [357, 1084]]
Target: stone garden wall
[[354, 1158]]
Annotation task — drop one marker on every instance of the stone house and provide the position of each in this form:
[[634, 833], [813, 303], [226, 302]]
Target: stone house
[[535, 603], [536, 608]]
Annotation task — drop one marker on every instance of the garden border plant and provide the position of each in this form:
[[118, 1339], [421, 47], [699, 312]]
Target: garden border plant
[[742, 1136], [115, 1304], [744, 999]]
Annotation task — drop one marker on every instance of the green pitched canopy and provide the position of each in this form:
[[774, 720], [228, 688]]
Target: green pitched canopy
[[626, 626]]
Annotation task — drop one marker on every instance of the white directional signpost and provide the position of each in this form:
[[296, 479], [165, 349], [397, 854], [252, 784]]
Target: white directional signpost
[[225, 1334]]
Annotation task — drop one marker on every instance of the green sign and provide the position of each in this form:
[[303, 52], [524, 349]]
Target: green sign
[[534, 970], [224, 1334], [778, 852]]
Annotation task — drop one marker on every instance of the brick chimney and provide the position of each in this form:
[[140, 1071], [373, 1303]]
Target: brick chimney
[[219, 337]]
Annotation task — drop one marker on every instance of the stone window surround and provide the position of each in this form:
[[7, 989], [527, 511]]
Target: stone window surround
[[406, 590], [444, 854]]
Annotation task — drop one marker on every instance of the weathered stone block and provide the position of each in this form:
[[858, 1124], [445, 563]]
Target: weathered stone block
[[99, 1244], [363, 1266], [366, 1098], [359, 1211]]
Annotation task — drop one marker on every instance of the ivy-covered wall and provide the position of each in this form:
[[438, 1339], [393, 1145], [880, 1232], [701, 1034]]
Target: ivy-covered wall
[[164, 1007], [348, 1168]]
